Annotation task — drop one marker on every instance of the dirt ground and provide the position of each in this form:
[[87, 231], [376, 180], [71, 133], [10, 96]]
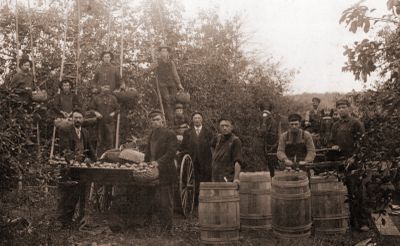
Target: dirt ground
[[43, 230]]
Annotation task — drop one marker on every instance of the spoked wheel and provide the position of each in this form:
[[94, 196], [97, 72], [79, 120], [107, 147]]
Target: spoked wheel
[[187, 185]]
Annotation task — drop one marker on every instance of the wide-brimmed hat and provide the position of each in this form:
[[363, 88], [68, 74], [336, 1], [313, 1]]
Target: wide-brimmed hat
[[107, 52]]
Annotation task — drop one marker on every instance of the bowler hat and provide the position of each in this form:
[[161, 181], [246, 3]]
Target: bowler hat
[[342, 102], [294, 117]]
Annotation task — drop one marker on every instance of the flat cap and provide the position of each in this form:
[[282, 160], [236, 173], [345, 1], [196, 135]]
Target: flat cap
[[316, 99], [164, 46], [342, 102], [294, 117], [179, 106], [154, 113]]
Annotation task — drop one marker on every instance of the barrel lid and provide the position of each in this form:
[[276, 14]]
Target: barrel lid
[[218, 185], [254, 176]]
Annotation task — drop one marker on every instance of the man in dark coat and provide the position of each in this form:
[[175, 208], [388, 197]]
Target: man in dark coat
[[313, 117], [66, 101], [269, 131], [197, 143], [227, 157], [76, 147], [345, 134], [107, 73], [161, 150], [106, 108], [168, 79]]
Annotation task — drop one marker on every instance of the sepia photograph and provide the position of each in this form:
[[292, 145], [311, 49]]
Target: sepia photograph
[[200, 122]]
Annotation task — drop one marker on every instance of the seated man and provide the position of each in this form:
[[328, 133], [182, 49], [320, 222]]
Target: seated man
[[295, 145], [76, 147]]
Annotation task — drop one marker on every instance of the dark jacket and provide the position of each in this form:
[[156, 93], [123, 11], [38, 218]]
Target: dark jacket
[[269, 131], [161, 147], [199, 148], [69, 141], [346, 133], [23, 81], [66, 103], [105, 103], [107, 74], [167, 74]]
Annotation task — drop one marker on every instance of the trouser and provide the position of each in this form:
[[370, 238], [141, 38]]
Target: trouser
[[168, 94], [272, 162], [70, 194], [359, 213], [202, 173], [105, 136]]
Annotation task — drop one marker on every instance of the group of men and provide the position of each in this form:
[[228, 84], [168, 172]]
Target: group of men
[[296, 146], [216, 157]]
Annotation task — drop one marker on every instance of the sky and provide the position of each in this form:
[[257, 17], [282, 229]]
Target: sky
[[302, 34]]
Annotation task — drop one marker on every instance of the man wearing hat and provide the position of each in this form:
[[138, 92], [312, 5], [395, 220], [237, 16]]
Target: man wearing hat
[[23, 79], [168, 79], [180, 120], [106, 108], [197, 143], [107, 73], [227, 157], [161, 150], [313, 117], [65, 101], [295, 145], [269, 131], [346, 132], [75, 146]]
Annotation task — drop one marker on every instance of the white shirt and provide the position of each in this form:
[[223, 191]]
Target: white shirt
[[78, 132], [198, 129]]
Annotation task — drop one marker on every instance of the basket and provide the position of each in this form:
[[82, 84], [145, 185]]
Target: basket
[[132, 155], [129, 96], [111, 155], [183, 97], [39, 96], [63, 124], [150, 174]]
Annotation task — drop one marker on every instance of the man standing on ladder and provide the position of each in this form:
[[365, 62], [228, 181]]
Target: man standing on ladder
[[108, 73], [169, 81]]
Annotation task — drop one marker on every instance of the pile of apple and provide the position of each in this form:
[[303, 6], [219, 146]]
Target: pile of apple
[[140, 167]]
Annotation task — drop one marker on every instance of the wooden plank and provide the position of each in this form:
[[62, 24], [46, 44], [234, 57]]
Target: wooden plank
[[389, 228]]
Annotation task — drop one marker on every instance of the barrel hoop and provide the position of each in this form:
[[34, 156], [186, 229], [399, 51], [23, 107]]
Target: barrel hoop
[[208, 199], [283, 196], [300, 235], [219, 227], [332, 217], [320, 181], [220, 240], [333, 230], [255, 192], [292, 184], [292, 229], [322, 193], [259, 227], [255, 216], [255, 179]]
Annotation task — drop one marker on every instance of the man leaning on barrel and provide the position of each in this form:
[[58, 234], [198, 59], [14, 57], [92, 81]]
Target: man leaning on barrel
[[295, 145], [226, 154]]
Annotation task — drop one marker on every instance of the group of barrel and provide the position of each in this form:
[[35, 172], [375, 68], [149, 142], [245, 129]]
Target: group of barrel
[[292, 205]]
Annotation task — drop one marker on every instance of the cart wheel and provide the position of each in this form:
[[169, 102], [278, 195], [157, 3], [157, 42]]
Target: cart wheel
[[187, 185]]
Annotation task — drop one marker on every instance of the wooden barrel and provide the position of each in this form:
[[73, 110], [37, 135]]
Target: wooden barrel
[[330, 213], [255, 200], [291, 205], [219, 212]]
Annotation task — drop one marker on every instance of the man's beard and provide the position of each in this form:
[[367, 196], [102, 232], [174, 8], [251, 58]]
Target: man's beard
[[77, 124], [294, 131]]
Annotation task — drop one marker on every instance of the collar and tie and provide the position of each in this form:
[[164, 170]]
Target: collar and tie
[[198, 129], [78, 132]]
